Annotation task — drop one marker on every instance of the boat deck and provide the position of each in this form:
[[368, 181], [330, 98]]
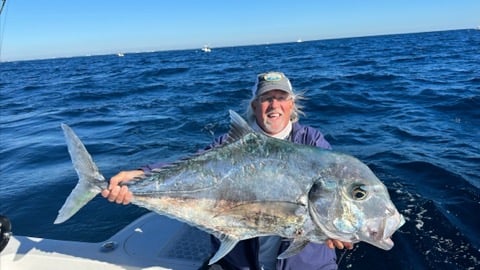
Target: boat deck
[[150, 242]]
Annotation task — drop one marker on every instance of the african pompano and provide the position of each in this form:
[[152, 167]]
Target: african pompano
[[253, 186]]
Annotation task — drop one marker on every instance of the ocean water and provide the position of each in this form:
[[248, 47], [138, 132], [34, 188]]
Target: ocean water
[[407, 105]]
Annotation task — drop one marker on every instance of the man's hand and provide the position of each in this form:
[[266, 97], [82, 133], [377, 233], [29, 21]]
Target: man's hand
[[332, 243], [120, 194]]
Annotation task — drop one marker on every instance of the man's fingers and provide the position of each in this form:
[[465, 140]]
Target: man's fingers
[[113, 193], [128, 198], [120, 194], [105, 193], [124, 176], [120, 198], [338, 244], [332, 243], [115, 180], [329, 243]]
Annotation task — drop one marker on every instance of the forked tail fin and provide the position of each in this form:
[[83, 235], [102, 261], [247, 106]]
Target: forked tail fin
[[90, 181]]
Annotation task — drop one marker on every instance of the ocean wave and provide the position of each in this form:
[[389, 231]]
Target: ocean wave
[[371, 77], [407, 105]]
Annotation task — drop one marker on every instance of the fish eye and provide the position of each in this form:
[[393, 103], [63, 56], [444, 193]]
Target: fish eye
[[359, 193]]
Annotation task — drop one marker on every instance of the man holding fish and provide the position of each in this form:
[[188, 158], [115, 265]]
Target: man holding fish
[[273, 111]]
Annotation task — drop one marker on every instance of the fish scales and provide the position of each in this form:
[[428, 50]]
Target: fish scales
[[224, 203]]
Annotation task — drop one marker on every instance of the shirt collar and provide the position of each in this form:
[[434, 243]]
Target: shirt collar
[[284, 134]]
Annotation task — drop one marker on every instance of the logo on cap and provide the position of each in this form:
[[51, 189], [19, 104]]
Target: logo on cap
[[272, 77]]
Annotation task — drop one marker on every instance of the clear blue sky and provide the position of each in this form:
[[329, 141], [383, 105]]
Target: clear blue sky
[[32, 29]]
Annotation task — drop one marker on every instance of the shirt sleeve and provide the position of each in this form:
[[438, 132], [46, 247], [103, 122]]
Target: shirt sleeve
[[310, 136], [320, 141]]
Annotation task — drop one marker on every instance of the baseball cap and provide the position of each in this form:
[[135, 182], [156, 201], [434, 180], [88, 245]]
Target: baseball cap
[[269, 81]]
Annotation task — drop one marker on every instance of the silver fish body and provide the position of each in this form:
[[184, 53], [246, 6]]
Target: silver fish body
[[253, 186]]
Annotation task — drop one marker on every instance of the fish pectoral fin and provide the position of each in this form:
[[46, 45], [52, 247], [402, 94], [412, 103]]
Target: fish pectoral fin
[[227, 244], [295, 247]]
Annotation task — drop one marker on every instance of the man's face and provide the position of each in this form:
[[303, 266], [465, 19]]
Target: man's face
[[273, 110]]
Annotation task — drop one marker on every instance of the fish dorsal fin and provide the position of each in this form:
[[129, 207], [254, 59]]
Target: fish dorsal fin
[[295, 247], [227, 244], [238, 127]]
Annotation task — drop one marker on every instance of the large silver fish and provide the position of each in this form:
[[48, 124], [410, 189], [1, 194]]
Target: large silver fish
[[253, 186]]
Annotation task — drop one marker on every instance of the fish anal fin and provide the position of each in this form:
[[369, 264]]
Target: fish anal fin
[[227, 244], [295, 247]]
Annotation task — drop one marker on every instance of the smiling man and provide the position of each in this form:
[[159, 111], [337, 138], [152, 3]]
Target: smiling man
[[273, 104], [274, 111]]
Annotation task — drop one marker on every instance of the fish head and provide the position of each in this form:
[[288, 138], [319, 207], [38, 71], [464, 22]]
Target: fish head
[[349, 203]]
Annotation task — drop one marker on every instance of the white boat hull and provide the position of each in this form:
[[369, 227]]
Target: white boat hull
[[150, 242]]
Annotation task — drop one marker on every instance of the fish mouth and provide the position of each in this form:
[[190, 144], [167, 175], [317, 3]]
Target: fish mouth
[[382, 238], [385, 243]]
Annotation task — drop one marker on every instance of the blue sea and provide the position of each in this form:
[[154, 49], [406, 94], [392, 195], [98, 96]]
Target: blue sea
[[407, 105]]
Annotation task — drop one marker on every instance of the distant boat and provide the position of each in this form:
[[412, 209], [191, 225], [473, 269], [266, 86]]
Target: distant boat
[[206, 48], [120, 54], [299, 40]]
